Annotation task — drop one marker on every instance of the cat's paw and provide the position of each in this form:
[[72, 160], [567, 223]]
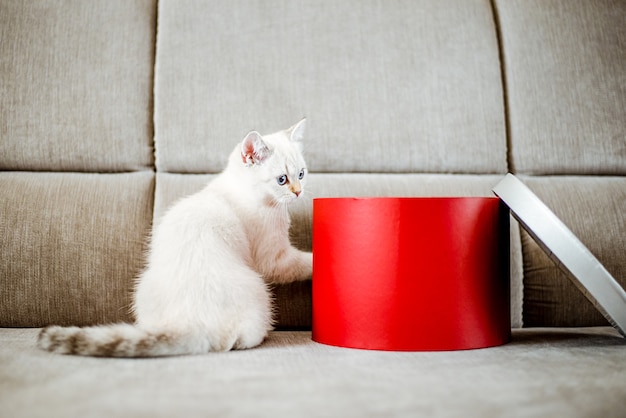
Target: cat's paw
[[307, 265]]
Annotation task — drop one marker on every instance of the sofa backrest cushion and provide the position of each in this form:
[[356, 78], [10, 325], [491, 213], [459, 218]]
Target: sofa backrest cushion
[[566, 85], [393, 87], [76, 86]]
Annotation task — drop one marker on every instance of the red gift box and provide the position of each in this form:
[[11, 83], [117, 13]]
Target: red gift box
[[411, 274]]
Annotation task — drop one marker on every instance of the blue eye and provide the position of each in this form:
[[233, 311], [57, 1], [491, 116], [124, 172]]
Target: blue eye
[[282, 180], [301, 175]]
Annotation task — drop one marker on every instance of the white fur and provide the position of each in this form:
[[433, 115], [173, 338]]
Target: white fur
[[211, 257]]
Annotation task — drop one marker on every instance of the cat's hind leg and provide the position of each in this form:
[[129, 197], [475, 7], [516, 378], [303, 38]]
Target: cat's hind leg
[[255, 314]]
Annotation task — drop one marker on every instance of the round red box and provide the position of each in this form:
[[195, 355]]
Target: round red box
[[411, 274]]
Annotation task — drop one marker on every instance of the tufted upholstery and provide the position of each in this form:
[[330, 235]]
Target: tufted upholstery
[[110, 111]]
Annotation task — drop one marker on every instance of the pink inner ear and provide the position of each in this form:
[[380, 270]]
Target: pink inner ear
[[253, 149], [247, 151]]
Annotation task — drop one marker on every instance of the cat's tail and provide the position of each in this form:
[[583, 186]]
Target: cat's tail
[[118, 340]]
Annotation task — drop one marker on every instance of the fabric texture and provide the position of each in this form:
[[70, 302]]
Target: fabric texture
[[398, 86], [76, 89], [71, 245], [541, 372], [564, 63], [397, 94], [108, 117], [593, 208]]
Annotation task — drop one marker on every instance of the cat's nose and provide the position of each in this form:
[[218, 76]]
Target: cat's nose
[[296, 189]]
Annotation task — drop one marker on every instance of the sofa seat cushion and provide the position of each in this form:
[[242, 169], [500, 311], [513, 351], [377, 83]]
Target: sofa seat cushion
[[548, 372]]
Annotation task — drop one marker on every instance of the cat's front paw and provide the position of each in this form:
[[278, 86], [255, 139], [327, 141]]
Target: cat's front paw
[[297, 266], [307, 265]]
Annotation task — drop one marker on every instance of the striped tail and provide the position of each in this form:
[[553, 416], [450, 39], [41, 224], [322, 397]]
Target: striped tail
[[117, 340]]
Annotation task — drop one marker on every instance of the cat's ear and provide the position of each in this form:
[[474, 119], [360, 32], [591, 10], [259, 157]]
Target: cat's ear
[[253, 149], [296, 132]]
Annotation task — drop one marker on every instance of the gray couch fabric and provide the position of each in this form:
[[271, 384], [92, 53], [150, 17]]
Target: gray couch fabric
[[541, 373], [112, 110]]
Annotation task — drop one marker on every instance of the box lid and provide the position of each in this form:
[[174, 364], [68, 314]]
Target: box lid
[[566, 250]]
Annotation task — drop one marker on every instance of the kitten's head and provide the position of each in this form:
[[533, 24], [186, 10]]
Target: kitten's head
[[275, 164]]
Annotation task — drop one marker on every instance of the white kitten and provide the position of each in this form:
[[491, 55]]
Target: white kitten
[[211, 256]]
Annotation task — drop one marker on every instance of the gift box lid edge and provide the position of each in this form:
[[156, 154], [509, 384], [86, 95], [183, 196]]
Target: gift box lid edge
[[565, 249]]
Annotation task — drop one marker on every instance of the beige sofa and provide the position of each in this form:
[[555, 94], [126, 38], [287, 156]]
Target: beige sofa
[[111, 110]]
